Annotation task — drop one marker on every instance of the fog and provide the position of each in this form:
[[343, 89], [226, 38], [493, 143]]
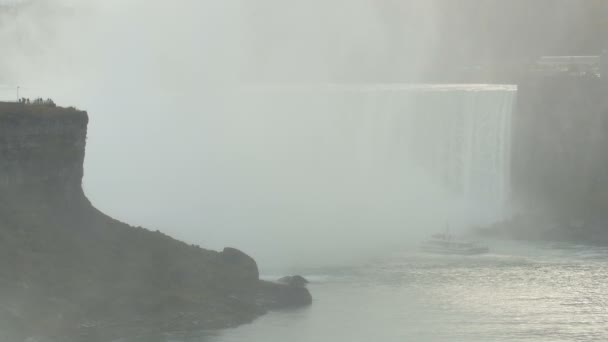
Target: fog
[[177, 142]]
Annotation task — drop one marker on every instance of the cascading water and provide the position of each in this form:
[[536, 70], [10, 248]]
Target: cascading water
[[461, 135], [347, 159]]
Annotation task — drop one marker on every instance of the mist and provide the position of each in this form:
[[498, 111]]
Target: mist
[[177, 143], [328, 145], [164, 150]]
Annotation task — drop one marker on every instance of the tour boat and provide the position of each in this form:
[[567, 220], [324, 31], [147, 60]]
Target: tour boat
[[446, 244]]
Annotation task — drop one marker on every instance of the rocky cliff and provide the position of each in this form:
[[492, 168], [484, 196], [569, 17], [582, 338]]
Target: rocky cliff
[[560, 165], [560, 135], [70, 273]]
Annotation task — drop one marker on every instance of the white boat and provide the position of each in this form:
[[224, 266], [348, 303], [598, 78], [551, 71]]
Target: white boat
[[448, 245]]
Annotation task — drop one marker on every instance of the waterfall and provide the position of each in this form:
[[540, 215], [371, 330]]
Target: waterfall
[[462, 136], [458, 136]]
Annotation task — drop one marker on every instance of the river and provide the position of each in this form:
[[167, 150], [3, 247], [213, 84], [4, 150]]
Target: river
[[517, 293]]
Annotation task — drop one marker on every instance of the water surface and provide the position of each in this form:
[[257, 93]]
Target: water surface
[[517, 293]]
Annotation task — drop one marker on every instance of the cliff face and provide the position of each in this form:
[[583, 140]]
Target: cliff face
[[42, 147], [560, 165], [560, 138], [67, 270]]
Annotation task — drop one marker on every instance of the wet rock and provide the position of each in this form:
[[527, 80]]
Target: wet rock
[[296, 280], [281, 296]]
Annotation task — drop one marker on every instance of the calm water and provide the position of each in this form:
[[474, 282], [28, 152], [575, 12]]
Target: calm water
[[518, 293]]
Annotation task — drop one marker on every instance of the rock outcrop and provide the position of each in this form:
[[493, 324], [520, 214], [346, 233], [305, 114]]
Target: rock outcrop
[[70, 273], [297, 281], [277, 295]]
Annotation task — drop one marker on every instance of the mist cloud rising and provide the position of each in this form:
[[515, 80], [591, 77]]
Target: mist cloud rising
[[166, 148]]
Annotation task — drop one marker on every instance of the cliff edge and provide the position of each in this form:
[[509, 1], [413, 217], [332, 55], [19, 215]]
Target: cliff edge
[[70, 273]]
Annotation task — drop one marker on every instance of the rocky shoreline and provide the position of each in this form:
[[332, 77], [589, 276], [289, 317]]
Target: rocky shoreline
[[229, 294], [270, 296]]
